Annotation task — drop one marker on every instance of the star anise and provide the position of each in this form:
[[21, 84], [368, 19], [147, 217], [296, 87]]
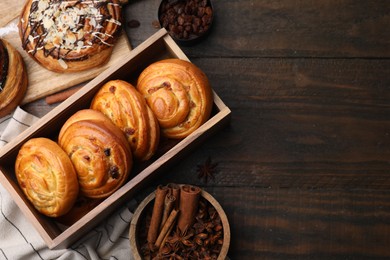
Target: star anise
[[181, 239], [207, 170], [201, 226]]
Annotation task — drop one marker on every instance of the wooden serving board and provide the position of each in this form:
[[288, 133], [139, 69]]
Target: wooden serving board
[[43, 82], [10, 9]]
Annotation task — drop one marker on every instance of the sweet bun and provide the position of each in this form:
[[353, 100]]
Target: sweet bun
[[46, 176], [128, 110], [13, 78], [70, 36], [179, 94], [99, 151]]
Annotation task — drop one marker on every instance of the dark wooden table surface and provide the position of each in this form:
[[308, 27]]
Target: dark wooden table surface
[[304, 165]]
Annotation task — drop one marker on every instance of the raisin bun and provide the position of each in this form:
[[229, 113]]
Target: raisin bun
[[99, 151], [179, 94], [47, 177], [70, 36], [13, 78], [127, 109]]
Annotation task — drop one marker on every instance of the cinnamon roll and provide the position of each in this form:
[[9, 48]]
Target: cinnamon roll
[[127, 109], [99, 151], [70, 35], [179, 94], [46, 176], [13, 78]]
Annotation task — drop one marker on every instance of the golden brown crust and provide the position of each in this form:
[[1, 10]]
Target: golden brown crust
[[13, 78], [128, 110], [70, 36], [47, 176], [179, 94], [99, 151]]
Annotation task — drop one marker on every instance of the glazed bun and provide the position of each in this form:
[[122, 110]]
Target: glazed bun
[[99, 151], [46, 176], [70, 36], [128, 110], [13, 78], [179, 95]]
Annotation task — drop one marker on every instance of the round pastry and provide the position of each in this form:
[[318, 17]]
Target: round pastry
[[13, 78], [179, 94], [69, 36], [46, 176], [99, 151], [127, 109]]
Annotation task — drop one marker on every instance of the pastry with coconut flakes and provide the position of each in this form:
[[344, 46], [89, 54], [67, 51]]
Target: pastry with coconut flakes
[[70, 36]]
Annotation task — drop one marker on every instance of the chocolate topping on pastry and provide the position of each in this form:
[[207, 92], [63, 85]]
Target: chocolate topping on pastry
[[66, 36]]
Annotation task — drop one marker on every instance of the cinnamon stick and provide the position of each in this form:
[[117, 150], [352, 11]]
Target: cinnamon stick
[[166, 228], [61, 96], [157, 212], [189, 198], [169, 203], [174, 189]]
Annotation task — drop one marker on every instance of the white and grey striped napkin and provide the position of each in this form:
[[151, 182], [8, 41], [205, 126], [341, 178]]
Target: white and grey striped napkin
[[19, 239], [15, 123]]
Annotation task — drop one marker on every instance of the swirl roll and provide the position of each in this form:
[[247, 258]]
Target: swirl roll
[[13, 78], [47, 176], [99, 151], [179, 94], [128, 110], [70, 35]]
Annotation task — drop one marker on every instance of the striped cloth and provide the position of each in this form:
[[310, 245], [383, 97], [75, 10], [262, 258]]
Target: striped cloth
[[14, 124], [19, 239]]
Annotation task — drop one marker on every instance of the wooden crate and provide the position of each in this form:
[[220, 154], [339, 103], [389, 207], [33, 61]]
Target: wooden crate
[[157, 47]]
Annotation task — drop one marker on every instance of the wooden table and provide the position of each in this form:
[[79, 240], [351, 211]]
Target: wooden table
[[304, 166]]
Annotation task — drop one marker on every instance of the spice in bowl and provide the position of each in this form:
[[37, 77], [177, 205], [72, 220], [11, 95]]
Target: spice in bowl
[[186, 20], [180, 221]]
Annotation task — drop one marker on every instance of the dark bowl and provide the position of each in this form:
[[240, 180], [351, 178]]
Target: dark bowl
[[187, 21]]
